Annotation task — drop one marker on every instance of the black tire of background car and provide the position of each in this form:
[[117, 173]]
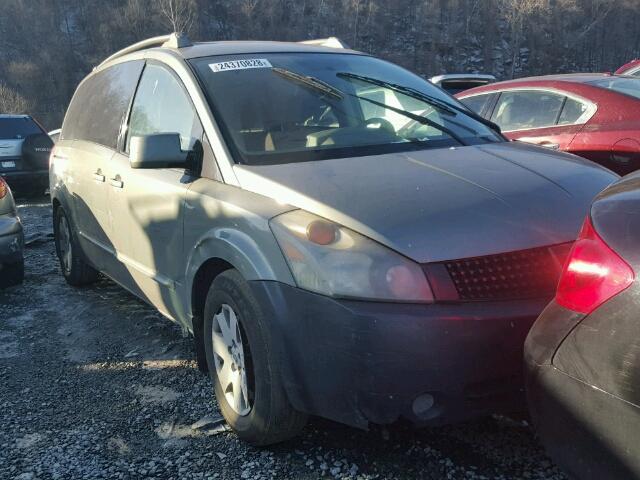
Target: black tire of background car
[[81, 273], [11, 274], [36, 150], [272, 419]]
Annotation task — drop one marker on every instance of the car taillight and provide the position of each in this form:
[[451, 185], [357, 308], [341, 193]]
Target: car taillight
[[3, 188], [592, 274]]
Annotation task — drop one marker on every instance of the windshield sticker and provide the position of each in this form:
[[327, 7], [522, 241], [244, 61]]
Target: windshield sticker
[[240, 64]]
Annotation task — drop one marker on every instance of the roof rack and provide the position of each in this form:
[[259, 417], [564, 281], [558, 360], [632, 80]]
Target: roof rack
[[174, 40], [332, 42]]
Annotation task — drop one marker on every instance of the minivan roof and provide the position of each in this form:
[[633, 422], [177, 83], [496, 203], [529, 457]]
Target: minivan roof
[[179, 45], [206, 49]]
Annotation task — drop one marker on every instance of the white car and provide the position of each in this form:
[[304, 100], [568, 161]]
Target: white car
[[458, 82]]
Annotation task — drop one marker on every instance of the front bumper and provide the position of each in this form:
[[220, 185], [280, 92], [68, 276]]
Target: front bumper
[[11, 239], [365, 362], [26, 180]]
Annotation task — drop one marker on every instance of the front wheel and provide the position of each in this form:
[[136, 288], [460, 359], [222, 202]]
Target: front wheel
[[243, 367], [76, 271]]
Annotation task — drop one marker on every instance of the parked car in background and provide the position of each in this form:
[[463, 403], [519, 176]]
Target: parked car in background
[[266, 197], [596, 116], [631, 68], [54, 135], [11, 240], [24, 155], [583, 353], [458, 82]]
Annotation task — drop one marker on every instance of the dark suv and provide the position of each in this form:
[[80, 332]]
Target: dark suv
[[24, 154]]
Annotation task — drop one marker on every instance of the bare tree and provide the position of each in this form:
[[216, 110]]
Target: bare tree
[[427, 36], [11, 101], [179, 14], [517, 14]]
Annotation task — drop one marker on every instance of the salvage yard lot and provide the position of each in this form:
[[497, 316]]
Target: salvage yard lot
[[96, 384]]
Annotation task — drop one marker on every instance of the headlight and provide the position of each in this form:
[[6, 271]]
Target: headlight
[[330, 259]]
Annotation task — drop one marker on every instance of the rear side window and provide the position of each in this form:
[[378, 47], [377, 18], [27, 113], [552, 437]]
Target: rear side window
[[524, 110], [162, 106], [17, 127], [100, 104], [572, 111], [477, 103]]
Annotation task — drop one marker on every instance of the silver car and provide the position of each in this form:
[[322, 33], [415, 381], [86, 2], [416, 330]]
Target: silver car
[[342, 238], [11, 240], [24, 155]]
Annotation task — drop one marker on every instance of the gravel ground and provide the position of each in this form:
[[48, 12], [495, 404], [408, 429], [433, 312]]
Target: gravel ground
[[96, 384]]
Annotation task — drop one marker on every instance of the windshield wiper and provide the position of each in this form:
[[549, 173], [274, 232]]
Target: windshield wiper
[[324, 87], [408, 91], [416, 118], [312, 82], [418, 95]]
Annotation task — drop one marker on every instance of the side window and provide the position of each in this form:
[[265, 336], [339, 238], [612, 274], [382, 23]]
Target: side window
[[524, 110], [162, 105], [572, 111], [99, 105], [477, 103]]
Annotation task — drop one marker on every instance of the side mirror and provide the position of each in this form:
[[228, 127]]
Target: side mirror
[[161, 150]]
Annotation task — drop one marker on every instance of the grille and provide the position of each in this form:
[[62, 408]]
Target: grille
[[521, 274]]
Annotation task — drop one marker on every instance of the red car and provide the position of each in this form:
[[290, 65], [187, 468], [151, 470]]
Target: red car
[[596, 116], [631, 68]]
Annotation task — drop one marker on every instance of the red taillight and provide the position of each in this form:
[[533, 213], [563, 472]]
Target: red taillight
[[592, 274], [3, 188]]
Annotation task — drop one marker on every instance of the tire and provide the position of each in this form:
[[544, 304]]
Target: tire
[[266, 417], [12, 274], [76, 271]]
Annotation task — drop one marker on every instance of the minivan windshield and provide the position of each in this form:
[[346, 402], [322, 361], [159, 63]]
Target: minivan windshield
[[16, 128], [292, 107]]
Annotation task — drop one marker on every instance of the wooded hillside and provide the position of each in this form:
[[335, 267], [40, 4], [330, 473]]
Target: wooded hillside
[[47, 46]]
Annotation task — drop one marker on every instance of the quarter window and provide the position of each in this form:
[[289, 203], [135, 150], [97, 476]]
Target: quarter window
[[477, 103], [524, 110], [572, 111], [99, 105], [161, 105]]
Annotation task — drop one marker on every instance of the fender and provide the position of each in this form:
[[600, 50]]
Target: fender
[[254, 262]]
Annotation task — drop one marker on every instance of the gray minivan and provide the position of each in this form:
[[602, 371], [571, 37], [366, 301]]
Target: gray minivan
[[342, 238]]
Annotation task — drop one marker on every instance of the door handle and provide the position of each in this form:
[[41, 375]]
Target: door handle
[[98, 176], [552, 146], [116, 182]]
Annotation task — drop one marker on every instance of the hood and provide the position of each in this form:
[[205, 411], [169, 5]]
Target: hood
[[11, 148], [443, 204]]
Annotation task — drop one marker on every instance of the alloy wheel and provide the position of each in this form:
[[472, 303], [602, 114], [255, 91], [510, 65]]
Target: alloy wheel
[[230, 361]]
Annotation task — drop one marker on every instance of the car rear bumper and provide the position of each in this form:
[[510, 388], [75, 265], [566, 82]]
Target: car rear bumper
[[11, 239], [588, 432], [26, 180], [360, 362]]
